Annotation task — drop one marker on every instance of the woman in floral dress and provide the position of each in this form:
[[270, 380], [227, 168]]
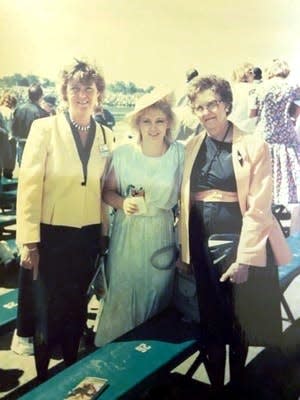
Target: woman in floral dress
[[276, 126]]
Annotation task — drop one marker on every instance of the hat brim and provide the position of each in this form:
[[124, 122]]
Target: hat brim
[[149, 99]]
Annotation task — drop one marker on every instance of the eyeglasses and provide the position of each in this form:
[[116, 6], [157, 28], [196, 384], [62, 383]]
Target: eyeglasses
[[211, 106]]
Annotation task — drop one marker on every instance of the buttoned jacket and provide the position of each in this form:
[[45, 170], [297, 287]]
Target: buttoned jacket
[[50, 185], [253, 174]]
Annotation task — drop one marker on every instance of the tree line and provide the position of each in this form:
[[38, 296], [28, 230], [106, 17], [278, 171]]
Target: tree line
[[19, 80]]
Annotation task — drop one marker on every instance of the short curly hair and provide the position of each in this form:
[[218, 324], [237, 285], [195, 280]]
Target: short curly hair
[[219, 86], [85, 73], [278, 68], [9, 100]]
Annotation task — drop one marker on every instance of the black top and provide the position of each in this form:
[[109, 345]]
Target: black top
[[213, 168], [23, 118], [106, 118], [83, 151]]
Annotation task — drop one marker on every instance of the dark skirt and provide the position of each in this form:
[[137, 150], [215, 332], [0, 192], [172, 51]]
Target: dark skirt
[[227, 310], [67, 257]]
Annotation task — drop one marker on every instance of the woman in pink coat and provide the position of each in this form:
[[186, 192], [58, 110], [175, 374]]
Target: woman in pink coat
[[227, 188]]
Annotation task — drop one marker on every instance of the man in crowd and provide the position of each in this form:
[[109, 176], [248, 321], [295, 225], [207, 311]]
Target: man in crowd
[[188, 123], [24, 115], [104, 117], [49, 104]]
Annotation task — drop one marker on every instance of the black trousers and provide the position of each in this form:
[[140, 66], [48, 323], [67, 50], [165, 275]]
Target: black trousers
[[237, 315], [67, 257], [25, 312], [214, 297]]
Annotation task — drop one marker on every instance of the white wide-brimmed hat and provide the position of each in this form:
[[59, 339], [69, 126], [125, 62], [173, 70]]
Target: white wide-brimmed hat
[[147, 100]]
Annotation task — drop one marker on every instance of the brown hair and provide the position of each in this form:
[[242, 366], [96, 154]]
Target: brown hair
[[8, 100], [241, 73], [219, 86], [85, 73]]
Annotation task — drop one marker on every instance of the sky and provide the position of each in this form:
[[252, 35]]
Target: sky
[[148, 42]]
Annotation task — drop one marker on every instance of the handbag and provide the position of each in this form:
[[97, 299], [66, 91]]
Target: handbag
[[185, 298], [281, 213], [165, 257], [256, 302], [98, 285]]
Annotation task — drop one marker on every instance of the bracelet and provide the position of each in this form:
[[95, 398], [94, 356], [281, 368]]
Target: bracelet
[[32, 249]]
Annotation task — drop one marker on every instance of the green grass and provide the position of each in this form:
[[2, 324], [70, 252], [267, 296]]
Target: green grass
[[119, 112]]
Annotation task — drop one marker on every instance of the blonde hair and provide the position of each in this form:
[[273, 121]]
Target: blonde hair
[[164, 107], [241, 73], [278, 68]]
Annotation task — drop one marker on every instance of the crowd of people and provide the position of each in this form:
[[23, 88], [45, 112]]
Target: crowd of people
[[80, 193]]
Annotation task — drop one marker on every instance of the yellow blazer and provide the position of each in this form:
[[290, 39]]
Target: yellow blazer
[[49, 185], [252, 169]]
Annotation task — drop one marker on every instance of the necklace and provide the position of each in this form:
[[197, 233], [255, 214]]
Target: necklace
[[83, 128]]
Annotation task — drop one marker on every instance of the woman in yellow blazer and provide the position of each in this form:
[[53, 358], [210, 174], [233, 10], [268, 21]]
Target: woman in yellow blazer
[[59, 212], [227, 188]]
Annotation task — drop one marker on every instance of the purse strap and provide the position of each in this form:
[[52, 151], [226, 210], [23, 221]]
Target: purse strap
[[207, 168], [171, 247], [226, 250]]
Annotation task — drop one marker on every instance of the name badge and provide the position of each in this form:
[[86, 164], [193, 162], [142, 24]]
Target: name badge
[[104, 151]]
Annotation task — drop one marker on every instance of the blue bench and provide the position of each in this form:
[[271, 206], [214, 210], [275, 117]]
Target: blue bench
[[131, 363], [289, 272], [13, 247], [8, 311], [138, 359], [6, 220], [8, 193], [8, 184], [9, 252]]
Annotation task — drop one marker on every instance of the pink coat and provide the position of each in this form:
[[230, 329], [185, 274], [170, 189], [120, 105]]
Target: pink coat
[[252, 169]]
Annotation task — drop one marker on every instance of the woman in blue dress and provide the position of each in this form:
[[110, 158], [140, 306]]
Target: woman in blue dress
[[142, 186]]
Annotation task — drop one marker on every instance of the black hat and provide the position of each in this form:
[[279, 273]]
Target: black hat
[[50, 99], [191, 74], [257, 73]]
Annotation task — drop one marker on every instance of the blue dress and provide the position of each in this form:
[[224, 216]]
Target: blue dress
[[140, 277]]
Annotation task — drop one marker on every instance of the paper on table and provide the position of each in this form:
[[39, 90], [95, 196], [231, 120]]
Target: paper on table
[[89, 388]]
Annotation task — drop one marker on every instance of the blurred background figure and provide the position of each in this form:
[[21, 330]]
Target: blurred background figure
[[294, 113], [104, 117], [24, 115], [8, 103], [257, 80], [257, 75], [242, 80], [273, 104], [188, 123], [49, 104]]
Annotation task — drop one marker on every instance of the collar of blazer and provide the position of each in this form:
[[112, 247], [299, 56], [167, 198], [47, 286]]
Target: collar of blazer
[[240, 161]]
